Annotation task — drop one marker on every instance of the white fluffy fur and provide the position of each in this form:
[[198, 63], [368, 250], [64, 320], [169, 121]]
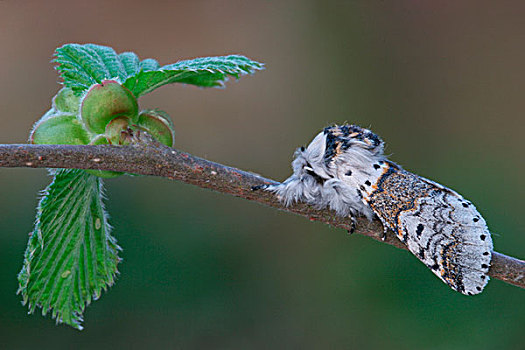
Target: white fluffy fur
[[333, 193]]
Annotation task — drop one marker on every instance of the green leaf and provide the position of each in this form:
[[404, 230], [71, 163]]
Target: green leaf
[[84, 65], [203, 72], [71, 256]]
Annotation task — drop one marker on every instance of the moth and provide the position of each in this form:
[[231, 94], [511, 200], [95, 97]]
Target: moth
[[344, 169]]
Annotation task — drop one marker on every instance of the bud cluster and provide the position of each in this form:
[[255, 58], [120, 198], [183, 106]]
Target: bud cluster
[[106, 114]]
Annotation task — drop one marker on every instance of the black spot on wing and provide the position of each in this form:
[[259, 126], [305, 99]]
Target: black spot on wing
[[419, 230]]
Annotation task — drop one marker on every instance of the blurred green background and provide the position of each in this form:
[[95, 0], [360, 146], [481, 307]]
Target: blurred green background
[[441, 82]]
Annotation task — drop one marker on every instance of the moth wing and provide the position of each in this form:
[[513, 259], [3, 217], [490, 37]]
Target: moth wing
[[449, 235]]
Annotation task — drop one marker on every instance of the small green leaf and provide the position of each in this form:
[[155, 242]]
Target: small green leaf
[[66, 101], [84, 65], [71, 256], [203, 72], [59, 129]]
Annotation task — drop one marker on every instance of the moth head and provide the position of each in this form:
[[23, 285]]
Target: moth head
[[338, 144], [345, 138]]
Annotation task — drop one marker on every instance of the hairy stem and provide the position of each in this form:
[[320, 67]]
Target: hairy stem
[[159, 160]]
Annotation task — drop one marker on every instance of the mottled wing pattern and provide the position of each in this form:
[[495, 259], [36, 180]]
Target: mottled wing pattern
[[442, 229]]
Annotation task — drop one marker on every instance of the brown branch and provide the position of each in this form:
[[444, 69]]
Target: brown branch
[[167, 162]]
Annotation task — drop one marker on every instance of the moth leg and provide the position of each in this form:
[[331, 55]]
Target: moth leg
[[383, 236], [354, 223]]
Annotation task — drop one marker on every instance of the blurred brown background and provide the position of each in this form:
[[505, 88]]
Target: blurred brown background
[[441, 82]]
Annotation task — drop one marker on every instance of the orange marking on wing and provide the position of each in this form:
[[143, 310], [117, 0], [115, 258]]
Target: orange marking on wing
[[338, 150]]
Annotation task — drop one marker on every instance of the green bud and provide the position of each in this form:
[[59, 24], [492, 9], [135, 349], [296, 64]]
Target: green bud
[[115, 128], [158, 124], [107, 174], [104, 102], [59, 129], [66, 101]]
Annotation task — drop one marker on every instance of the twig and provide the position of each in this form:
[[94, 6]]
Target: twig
[[176, 165]]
